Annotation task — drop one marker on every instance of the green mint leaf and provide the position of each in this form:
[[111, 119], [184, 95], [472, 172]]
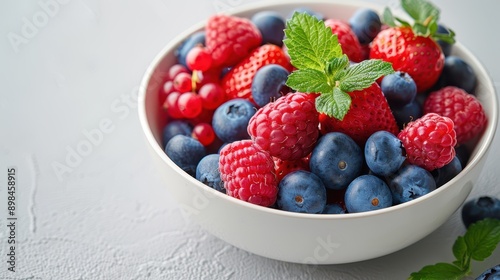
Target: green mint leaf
[[336, 65], [310, 43], [438, 271], [482, 238], [309, 80], [420, 10], [364, 74], [461, 254], [388, 18], [334, 104]]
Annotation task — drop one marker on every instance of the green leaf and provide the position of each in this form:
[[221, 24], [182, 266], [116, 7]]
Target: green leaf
[[482, 238], [336, 65], [388, 18], [461, 254], [310, 43], [421, 30], [438, 271], [420, 10], [364, 74], [309, 80], [334, 104]]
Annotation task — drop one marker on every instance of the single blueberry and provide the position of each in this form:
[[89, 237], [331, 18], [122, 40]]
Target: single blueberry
[[230, 120], [301, 191], [399, 89], [457, 72], [411, 182], [336, 159], [447, 172], [268, 83], [181, 52], [271, 26], [407, 113], [490, 274], [175, 127], [186, 152], [445, 47], [463, 154], [334, 208], [384, 153], [208, 172], [366, 24], [480, 208], [367, 193]]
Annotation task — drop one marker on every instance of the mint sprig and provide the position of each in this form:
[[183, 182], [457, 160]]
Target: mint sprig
[[477, 244], [322, 68], [425, 17]]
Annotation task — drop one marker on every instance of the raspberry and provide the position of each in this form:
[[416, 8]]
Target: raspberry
[[463, 108], [288, 127], [284, 167], [230, 39], [429, 141], [248, 173]]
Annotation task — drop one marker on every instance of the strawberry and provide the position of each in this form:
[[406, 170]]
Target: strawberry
[[230, 39], [237, 82], [413, 49], [369, 112], [347, 39]]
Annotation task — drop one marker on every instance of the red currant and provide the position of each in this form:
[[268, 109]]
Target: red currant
[[182, 82], [190, 104], [175, 69], [212, 95], [204, 133], [199, 58], [171, 105]]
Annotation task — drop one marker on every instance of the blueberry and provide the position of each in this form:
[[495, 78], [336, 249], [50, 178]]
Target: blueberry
[[407, 113], [411, 182], [490, 274], [271, 26], [463, 154], [175, 127], [301, 191], [384, 153], [208, 173], [336, 159], [230, 120], [447, 172], [367, 193], [333, 208], [445, 47], [399, 88], [193, 40], [457, 72], [268, 83], [480, 208], [366, 24], [185, 152]]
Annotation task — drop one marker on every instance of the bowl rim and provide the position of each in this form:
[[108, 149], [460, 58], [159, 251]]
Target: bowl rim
[[488, 133]]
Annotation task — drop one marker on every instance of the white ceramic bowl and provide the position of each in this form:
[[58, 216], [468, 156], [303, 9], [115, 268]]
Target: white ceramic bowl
[[310, 238]]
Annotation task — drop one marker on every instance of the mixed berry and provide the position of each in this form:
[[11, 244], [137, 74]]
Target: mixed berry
[[318, 115]]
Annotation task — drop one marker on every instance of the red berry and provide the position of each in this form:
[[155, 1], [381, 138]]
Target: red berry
[[182, 82], [204, 133], [189, 104], [248, 173], [288, 127], [170, 105], [463, 108], [230, 38], [212, 95], [175, 69], [429, 141], [348, 41], [199, 58], [284, 167]]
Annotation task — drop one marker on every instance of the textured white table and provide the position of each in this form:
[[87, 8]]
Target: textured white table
[[69, 73]]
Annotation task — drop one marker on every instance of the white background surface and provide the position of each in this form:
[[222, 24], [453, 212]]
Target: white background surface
[[108, 216]]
